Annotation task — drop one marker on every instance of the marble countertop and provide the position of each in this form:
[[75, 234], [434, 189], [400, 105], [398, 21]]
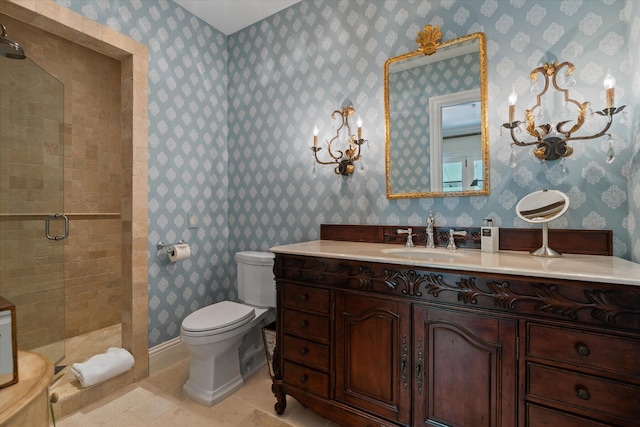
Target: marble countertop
[[590, 268]]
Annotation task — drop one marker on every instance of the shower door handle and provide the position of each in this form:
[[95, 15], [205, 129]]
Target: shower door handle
[[66, 226]]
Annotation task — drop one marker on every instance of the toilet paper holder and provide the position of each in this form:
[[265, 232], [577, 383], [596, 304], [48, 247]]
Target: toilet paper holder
[[162, 245]]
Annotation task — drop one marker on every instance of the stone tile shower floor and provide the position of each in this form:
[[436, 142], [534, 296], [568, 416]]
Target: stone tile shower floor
[[158, 401]]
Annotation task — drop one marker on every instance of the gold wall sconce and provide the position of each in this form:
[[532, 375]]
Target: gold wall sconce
[[344, 156], [551, 142]]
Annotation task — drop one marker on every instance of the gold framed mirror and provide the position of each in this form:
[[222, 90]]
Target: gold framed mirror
[[437, 138]]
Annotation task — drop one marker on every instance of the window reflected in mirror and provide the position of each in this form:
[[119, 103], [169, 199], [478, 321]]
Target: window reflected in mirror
[[461, 147]]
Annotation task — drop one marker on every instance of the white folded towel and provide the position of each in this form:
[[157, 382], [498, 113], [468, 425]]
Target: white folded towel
[[102, 366]]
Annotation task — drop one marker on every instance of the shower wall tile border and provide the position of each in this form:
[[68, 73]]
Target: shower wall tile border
[[62, 22]]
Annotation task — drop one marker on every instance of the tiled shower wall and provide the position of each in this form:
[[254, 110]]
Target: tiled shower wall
[[31, 168], [92, 193]]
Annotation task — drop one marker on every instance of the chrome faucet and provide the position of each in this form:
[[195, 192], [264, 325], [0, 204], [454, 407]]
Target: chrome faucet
[[430, 221], [452, 243], [409, 233]]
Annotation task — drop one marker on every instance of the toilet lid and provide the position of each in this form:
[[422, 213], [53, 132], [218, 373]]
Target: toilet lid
[[218, 317]]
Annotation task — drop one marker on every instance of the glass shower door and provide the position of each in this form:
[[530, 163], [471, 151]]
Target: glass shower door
[[31, 194]]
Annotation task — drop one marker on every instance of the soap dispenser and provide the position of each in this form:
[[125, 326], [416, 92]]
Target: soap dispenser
[[489, 237]]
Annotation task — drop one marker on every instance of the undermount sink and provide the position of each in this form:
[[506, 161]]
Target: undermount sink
[[424, 253]]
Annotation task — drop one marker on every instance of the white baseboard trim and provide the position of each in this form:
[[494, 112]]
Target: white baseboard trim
[[166, 354]]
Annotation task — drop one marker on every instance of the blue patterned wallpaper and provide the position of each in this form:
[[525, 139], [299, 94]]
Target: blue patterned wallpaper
[[231, 121], [299, 64]]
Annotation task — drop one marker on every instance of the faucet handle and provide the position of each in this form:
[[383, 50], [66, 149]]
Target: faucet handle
[[452, 243], [409, 233]]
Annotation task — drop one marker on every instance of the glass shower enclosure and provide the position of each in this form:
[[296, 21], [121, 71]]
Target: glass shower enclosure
[[32, 224]]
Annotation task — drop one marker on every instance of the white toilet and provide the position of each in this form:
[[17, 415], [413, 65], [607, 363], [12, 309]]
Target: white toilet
[[224, 339]]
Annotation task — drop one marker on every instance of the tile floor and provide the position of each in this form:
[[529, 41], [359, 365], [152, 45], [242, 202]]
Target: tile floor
[[158, 401]]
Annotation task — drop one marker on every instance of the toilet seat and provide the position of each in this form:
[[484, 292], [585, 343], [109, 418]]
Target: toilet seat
[[217, 318]]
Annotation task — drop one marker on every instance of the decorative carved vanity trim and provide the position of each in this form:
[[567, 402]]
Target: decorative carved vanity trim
[[587, 302]]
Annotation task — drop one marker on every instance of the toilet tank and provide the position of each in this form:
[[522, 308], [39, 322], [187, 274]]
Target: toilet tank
[[256, 283]]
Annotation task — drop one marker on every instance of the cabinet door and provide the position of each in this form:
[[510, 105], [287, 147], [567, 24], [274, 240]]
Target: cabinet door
[[373, 367], [466, 369]]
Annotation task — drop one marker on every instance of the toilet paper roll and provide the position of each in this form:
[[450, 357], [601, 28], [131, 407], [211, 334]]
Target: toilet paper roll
[[179, 252]]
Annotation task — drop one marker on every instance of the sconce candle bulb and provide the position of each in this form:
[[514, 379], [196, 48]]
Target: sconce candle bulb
[[315, 136], [610, 86], [513, 99], [359, 123]]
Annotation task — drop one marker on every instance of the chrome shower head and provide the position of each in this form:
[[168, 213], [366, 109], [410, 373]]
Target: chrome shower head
[[8, 48]]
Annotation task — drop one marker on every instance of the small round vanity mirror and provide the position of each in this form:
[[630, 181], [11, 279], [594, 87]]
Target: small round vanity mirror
[[540, 207]]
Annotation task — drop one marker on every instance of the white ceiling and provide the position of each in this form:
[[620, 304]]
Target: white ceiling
[[230, 16]]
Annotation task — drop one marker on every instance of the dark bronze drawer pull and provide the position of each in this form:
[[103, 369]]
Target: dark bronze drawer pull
[[582, 349], [583, 394], [304, 378], [304, 351], [304, 297], [304, 324]]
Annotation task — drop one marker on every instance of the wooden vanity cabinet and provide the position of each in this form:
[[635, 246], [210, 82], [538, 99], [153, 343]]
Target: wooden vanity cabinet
[[372, 347], [374, 344], [469, 363]]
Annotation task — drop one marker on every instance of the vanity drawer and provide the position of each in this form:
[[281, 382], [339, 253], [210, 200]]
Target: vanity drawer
[[306, 378], [306, 352], [306, 325], [587, 349], [589, 393], [539, 416], [306, 298]]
